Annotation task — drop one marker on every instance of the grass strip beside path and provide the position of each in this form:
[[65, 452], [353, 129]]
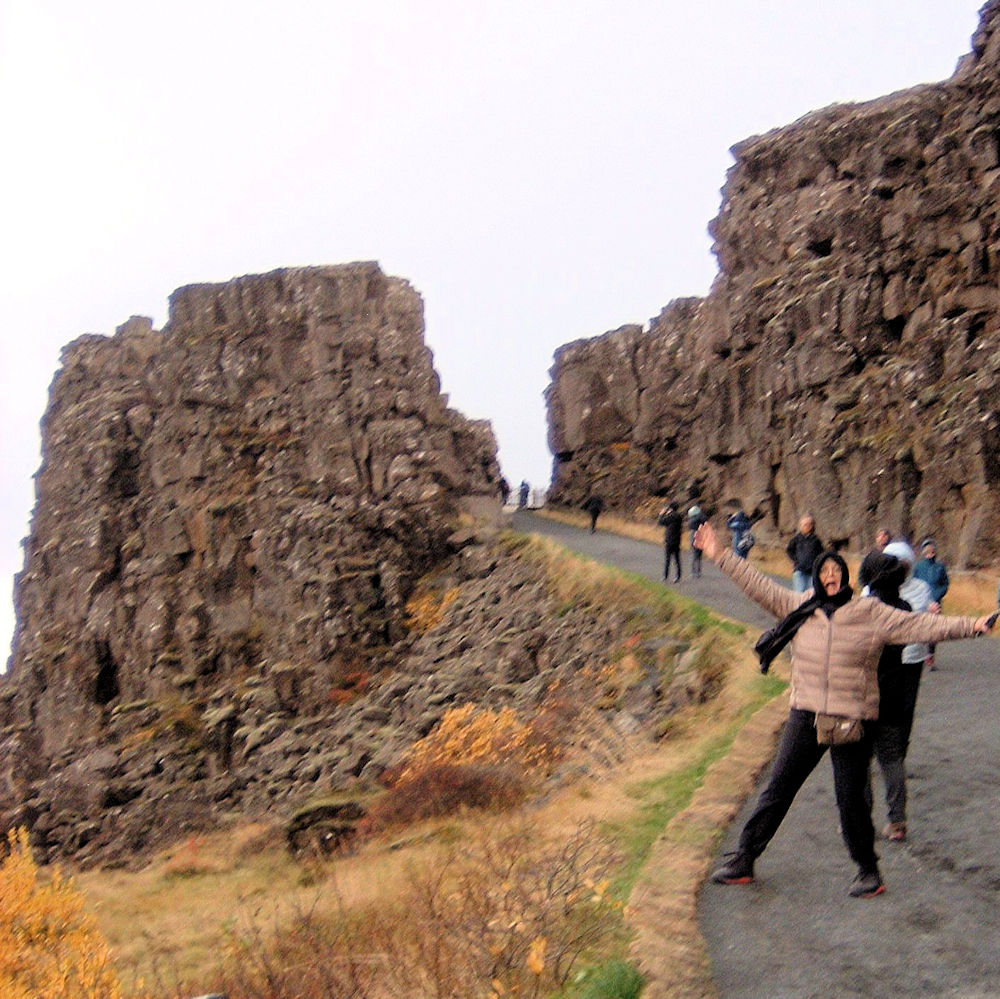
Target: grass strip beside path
[[667, 945]]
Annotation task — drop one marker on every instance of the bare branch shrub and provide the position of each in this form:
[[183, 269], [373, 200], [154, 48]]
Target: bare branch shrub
[[501, 914], [444, 789]]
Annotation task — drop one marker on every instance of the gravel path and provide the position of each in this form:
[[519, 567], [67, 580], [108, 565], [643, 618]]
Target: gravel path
[[795, 932]]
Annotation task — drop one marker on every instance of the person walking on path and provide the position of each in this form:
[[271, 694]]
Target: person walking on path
[[695, 519], [931, 571], [935, 575], [739, 524], [804, 548], [899, 697], [882, 574], [835, 646], [672, 522], [593, 505]]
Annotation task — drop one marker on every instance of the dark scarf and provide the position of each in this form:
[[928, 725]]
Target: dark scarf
[[773, 641]]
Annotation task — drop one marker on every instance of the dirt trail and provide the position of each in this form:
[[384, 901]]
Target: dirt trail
[[795, 932]]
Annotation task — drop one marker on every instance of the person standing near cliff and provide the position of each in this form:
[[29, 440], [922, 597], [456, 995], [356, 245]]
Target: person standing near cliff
[[882, 537], [882, 575], [804, 548], [935, 575], [593, 504], [672, 522], [896, 714], [835, 647]]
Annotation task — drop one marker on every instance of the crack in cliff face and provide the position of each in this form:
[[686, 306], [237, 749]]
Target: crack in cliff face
[[859, 285]]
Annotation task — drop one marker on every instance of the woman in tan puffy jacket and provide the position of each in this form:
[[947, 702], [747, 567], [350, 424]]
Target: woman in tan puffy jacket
[[835, 650]]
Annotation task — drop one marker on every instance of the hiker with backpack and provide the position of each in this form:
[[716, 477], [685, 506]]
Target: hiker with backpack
[[743, 540]]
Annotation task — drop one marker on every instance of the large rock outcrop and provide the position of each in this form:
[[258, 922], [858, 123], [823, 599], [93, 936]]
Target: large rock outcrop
[[249, 493], [845, 361]]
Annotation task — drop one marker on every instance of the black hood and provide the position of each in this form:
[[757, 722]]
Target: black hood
[[845, 575], [883, 575]]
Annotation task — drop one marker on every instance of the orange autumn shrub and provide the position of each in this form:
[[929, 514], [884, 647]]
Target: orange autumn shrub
[[470, 735], [475, 758]]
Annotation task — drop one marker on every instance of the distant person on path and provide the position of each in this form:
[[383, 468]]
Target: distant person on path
[[593, 505], [835, 646], [804, 548], [935, 575], [743, 540], [522, 495], [504, 491], [695, 519], [672, 522]]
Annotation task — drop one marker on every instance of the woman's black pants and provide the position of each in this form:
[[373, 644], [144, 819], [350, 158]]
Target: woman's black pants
[[798, 754]]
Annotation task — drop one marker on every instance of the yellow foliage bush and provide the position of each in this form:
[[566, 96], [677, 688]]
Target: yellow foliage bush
[[470, 735], [426, 610], [50, 948]]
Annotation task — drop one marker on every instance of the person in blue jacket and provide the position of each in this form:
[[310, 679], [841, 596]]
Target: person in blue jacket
[[935, 575], [931, 571], [739, 524]]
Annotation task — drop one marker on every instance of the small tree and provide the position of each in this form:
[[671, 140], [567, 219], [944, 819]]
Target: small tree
[[50, 948]]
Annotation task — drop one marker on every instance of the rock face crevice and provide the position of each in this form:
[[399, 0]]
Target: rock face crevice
[[253, 489], [845, 360]]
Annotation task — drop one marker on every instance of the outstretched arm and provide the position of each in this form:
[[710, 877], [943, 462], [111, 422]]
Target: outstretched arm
[[902, 627], [763, 591]]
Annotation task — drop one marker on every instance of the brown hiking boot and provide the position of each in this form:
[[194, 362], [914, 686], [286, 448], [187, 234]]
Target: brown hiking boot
[[895, 832]]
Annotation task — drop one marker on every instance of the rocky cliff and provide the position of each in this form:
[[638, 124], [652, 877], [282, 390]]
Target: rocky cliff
[[845, 360], [249, 493], [265, 561]]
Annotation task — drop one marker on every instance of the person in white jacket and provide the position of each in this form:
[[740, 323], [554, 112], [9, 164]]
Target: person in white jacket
[[893, 737]]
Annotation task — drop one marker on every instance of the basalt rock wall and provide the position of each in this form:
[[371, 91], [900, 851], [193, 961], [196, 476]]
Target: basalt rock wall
[[251, 491], [845, 360]]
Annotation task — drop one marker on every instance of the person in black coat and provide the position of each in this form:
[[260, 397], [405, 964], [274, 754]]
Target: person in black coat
[[897, 694], [672, 522], [593, 505], [803, 550]]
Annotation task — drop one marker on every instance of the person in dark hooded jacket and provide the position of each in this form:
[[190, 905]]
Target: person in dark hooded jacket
[[593, 505], [835, 646], [672, 522]]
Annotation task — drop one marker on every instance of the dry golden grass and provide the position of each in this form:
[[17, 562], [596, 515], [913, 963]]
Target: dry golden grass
[[169, 928]]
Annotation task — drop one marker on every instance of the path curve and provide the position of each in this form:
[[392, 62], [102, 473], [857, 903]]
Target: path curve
[[795, 932]]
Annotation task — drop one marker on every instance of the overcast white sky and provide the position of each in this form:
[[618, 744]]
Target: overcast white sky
[[540, 170]]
